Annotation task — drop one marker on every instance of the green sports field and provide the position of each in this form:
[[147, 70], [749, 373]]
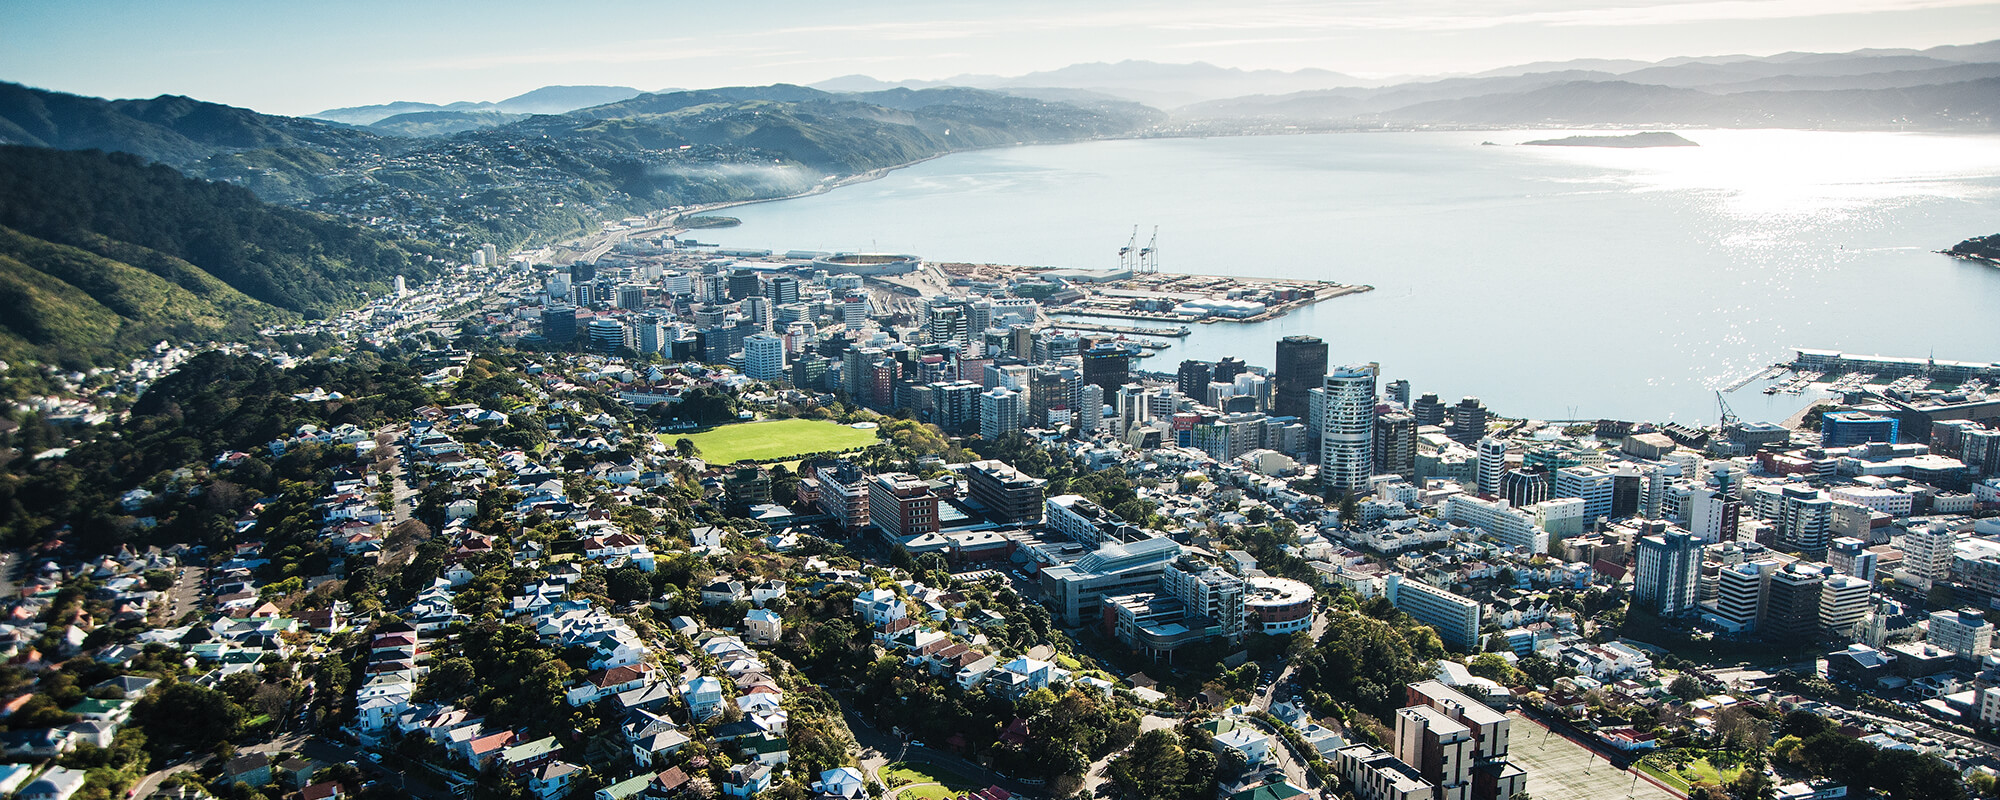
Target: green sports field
[[777, 440]]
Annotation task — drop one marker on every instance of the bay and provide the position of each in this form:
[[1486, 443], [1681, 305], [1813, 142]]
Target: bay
[[1552, 282]]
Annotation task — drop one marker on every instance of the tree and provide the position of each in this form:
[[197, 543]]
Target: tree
[[1494, 667], [1752, 783], [1804, 724], [1685, 687], [686, 448], [185, 716], [1154, 768], [626, 584], [1910, 775]]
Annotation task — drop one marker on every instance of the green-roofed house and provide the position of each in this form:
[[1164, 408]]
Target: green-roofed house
[[771, 751], [630, 787], [1282, 790], [527, 756], [112, 711]]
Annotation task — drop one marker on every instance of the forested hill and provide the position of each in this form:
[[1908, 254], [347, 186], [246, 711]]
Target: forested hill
[[103, 253], [546, 177], [177, 130]]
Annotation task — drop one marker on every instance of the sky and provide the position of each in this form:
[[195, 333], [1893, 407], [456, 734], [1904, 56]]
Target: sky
[[297, 58]]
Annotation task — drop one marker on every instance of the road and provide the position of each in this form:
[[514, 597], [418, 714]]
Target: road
[[1270, 693], [186, 593], [11, 564]]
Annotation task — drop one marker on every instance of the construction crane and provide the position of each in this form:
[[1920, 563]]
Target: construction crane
[[1149, 256]]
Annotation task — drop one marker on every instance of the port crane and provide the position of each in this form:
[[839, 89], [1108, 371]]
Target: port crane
[[1727, 414], [1149, 256], [1125, 253]]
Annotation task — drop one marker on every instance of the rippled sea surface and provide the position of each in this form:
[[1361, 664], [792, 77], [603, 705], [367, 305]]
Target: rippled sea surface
[[1552, 282]]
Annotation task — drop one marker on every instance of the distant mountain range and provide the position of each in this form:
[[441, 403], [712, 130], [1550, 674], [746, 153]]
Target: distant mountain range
[[1159, 85], [546, 100], [1938, 88]]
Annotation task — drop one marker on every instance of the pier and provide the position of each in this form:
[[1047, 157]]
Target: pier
[[1128, 330]]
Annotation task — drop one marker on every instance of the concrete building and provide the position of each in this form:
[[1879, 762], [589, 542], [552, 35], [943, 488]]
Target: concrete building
[[764, 357], [1927, 553], [902, 505], [1007, 494], [1001, 411], [1791, 602], [1511, 526], [1457, 619], [842, 492], [1592, 484], [1966, 633], [1077, 590], [1851, 557], [1739, 601], [1669, 561], [1843, 604], [1438, 747]]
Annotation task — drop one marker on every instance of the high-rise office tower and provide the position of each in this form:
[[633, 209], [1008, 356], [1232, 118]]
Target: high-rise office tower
[[1398, 392], [1525, 486], [1805, 520], [1396, 444], [743, 283], [1429, 411], [1669, 563], [1348, 433], [764, 357], [1226, 370], [1791, 602], [559, 324], [606, 334], [1492, 465], [783, 290], [1107, 366], [1468, 422], [1301, 366], [1195, 377]]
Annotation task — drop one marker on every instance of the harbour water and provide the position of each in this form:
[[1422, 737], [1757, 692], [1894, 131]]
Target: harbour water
[[1552, 282]]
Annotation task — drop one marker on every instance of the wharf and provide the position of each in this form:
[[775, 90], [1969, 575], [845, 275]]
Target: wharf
[[1129, 330]]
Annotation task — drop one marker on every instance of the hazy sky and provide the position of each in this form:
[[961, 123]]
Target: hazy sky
[[295, 58]]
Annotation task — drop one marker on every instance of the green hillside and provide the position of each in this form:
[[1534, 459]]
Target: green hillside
[[102, 255], [69, 306], [192, 231]]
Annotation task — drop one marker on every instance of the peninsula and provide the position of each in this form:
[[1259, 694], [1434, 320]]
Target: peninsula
[[1646, 139]]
